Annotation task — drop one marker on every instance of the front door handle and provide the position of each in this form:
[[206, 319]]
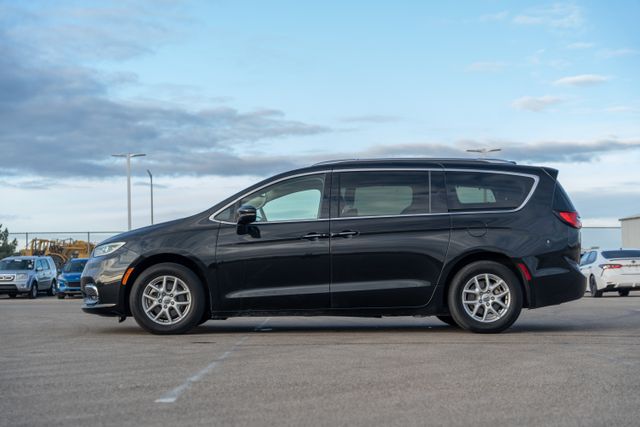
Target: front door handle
[[315, 236], [345, 234]]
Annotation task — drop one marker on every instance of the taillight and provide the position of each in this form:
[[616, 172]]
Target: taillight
[[571, 218], [610, 266]]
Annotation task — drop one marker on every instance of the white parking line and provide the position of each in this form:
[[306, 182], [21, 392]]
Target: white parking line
[[172, 395]]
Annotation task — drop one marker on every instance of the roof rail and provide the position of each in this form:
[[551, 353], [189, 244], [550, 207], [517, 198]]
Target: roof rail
[[486, 160]]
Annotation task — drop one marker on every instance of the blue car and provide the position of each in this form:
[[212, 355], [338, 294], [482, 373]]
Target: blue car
[[69, 279]]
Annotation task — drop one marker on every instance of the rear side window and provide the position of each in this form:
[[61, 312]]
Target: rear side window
[[623, 253], [389, 193], [486, 191]]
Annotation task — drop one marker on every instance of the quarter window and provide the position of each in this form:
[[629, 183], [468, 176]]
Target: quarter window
[[385, 193], [486, 191]]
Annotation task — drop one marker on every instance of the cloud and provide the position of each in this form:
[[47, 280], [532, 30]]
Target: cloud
[[537, 152], [62, 112], [581, 80], [370, 118], [557, 16], [536, 104], [486, 66], [615, 53]]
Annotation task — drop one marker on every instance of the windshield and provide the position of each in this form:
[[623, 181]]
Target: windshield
[[621, 254], [16, 264], [74, 266]]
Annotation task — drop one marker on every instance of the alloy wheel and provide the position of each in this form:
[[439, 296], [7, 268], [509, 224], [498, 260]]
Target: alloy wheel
[[166, 300], [486, 298]]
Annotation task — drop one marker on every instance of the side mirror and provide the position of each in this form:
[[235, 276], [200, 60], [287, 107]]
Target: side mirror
[[246, 215], [39, 269]]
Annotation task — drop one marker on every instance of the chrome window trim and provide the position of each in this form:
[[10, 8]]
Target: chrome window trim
[[536, 180]]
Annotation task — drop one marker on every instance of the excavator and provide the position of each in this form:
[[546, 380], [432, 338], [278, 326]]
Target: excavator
[[61, 250]]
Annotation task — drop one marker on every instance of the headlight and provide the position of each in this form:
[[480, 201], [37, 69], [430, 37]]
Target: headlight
[[107, 248], [62, 282], [21, 276]]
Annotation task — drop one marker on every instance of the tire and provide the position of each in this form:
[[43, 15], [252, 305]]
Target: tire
[[504, 298], [449, 321], [154, 291], [595, 293], [13, 295], [61, 296], [33, 292], [623, 293], [53, 289]]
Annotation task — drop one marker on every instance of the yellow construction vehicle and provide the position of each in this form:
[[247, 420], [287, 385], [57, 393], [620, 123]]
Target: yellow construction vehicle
[[61, 250]]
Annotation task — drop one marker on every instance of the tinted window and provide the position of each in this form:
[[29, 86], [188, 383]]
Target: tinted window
[[74, 266], [16, 264], [294, 199], [623, 253], [384, 193], [561, 201], [486, 191], [588, 258]]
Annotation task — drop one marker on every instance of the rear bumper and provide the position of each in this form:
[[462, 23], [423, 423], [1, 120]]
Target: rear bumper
[[554, 286]]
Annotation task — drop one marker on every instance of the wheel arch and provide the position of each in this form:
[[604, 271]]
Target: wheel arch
[[141, 265], [455, 265]]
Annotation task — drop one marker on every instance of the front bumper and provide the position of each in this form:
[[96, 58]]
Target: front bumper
[[14, 288], [101, 283]]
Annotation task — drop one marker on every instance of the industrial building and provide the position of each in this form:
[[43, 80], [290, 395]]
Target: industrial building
[[630, 231]]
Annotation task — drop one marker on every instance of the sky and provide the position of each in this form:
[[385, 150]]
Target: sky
[[219, 94]]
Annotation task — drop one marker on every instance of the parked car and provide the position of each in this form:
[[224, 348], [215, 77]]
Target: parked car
[[27, 275], [611, 270], [69, 278], [469, 241]]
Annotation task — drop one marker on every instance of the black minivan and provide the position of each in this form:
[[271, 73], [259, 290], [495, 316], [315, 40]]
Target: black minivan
[[469, 241]]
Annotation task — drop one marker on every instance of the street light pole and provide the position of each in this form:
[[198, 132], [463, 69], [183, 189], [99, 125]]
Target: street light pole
[[128, 156], [151, 186]]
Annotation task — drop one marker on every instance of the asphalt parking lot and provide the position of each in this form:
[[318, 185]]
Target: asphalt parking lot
[[574, 364]]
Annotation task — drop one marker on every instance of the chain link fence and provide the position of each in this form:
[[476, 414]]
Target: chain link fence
[[24, 237]]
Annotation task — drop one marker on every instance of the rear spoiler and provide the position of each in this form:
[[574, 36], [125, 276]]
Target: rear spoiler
[[553, 173]]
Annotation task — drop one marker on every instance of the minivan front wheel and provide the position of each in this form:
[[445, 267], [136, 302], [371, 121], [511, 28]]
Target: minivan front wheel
[[167, 298], [485, 296]]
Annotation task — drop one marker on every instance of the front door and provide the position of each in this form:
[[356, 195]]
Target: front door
[[280, 261], [390, 233]]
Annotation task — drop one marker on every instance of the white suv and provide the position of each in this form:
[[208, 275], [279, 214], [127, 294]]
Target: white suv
[[610, 270]]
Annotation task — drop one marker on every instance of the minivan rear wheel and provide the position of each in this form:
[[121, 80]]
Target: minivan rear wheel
[[167, 298], [485, 297]]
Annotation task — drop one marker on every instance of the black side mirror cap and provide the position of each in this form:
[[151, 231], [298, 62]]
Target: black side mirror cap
[[246, 215]]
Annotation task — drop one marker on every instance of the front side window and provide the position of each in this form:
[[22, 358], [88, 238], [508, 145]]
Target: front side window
[[486, 191], [384, 193], [296, 199]]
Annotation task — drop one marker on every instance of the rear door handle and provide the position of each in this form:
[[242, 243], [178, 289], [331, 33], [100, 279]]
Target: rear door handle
[[345, 234], [315, 236]]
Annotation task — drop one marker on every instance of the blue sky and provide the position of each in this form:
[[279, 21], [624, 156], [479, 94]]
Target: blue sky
[[220, 93]]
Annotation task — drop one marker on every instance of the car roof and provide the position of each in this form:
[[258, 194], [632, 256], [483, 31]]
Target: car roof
[[400, 160]]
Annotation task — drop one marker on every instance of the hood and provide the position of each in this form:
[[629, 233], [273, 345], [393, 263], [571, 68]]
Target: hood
[[72, 277], [16, 272], [133, 234]]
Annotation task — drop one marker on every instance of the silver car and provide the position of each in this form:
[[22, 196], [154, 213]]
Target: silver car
[[27, 275]]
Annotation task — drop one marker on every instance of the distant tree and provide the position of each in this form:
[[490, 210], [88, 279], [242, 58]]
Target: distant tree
[[7, 248]]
